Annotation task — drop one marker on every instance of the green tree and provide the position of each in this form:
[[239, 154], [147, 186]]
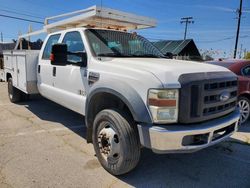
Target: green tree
[[247, 56]]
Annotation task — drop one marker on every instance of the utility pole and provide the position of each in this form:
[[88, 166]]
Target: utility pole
[[1, 37], [239, 11], [240, 54], [245, 53], [186, 20]]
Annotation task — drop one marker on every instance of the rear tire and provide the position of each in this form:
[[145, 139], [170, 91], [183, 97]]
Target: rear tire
[[116, 141], [15, 95], [244, 106]]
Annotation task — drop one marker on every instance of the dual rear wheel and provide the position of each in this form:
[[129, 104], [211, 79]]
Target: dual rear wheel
[[15, 95]]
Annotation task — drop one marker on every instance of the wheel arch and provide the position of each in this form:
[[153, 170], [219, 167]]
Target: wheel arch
[[122, 98], [8, 75], [245, 94]]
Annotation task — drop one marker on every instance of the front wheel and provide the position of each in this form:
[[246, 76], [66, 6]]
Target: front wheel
[[244, 106], [116, 141]]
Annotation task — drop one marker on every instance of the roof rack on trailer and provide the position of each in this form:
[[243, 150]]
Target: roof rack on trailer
[[95, 16]]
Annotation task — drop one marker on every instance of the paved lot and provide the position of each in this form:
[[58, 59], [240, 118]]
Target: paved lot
[[43, 145]]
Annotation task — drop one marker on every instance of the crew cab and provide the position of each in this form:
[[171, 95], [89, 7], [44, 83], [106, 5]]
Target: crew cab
[[130, 94]]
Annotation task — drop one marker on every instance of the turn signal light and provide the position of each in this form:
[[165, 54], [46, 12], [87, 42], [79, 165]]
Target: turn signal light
[[52, 57]]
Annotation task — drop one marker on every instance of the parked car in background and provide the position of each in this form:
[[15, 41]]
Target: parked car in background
[[242, 69]]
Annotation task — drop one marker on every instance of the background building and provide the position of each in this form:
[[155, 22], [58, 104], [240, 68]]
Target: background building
[[181, 49]]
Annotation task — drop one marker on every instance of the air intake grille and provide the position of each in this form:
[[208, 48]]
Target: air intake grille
[[206, 96]]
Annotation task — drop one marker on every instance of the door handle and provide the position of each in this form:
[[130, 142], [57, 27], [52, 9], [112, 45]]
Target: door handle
[[39, 69], [54, 71]]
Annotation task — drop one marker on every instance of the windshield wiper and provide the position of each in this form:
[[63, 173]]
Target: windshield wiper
[[147, 55], [109, 55], [112, 55], [132, 55]]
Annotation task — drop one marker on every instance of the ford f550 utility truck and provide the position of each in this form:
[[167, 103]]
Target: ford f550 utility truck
[[130, 94]]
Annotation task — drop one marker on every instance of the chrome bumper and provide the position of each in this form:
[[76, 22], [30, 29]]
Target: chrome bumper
[[187, 138]]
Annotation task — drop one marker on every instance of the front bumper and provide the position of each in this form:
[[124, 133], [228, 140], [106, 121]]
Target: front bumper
[[187, 138]]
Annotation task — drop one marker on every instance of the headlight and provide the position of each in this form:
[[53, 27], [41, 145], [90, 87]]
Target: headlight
[[163, 105]]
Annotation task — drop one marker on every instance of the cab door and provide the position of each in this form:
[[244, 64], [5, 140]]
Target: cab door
[[70, 80], [45, 80]]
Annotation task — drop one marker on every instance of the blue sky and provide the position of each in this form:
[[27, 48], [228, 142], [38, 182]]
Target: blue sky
[[214, 27]]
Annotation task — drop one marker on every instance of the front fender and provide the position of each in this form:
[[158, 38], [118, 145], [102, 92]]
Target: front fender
[[124, 92]]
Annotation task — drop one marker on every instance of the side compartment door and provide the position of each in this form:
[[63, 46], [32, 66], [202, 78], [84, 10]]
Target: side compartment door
[[45, 79], [70, 80], [9, 64], [21, 72]]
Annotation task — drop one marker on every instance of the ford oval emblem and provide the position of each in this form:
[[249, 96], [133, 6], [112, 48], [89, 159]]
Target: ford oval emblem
[[224, 96]]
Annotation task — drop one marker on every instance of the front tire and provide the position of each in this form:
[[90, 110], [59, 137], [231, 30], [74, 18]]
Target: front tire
[[116, 141], [244, 106], [15, 95]]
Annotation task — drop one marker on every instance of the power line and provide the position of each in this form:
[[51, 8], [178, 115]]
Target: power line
[[23, 14], [186, 20], [51, 6], [24, 11], [204, 41], [19, 18]]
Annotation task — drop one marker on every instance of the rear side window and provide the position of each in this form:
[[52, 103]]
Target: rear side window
[[53, 39], [246, 71]]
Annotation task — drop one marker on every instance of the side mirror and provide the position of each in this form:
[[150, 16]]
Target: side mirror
[[59, 54], [83, 59]]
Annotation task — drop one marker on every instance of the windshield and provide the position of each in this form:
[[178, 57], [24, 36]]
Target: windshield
[[107, 43]]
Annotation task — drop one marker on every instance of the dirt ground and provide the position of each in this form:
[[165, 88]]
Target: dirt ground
[[43, 145]]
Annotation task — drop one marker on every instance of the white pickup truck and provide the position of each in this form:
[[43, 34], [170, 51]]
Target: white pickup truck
[[130, 94]]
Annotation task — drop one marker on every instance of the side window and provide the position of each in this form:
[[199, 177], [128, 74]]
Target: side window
[[75, 44], [53, 39], [246, 71]]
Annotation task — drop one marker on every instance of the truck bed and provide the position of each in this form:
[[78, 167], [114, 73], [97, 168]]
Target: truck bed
[[22, 65]]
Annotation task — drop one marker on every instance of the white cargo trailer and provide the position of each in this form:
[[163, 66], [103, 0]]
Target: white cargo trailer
[[22, 65]]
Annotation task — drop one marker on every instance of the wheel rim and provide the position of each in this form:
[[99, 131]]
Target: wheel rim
[[244, 110], [109, 143]]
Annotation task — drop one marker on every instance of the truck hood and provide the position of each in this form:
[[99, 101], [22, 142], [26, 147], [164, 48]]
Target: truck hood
[[166, 70]]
